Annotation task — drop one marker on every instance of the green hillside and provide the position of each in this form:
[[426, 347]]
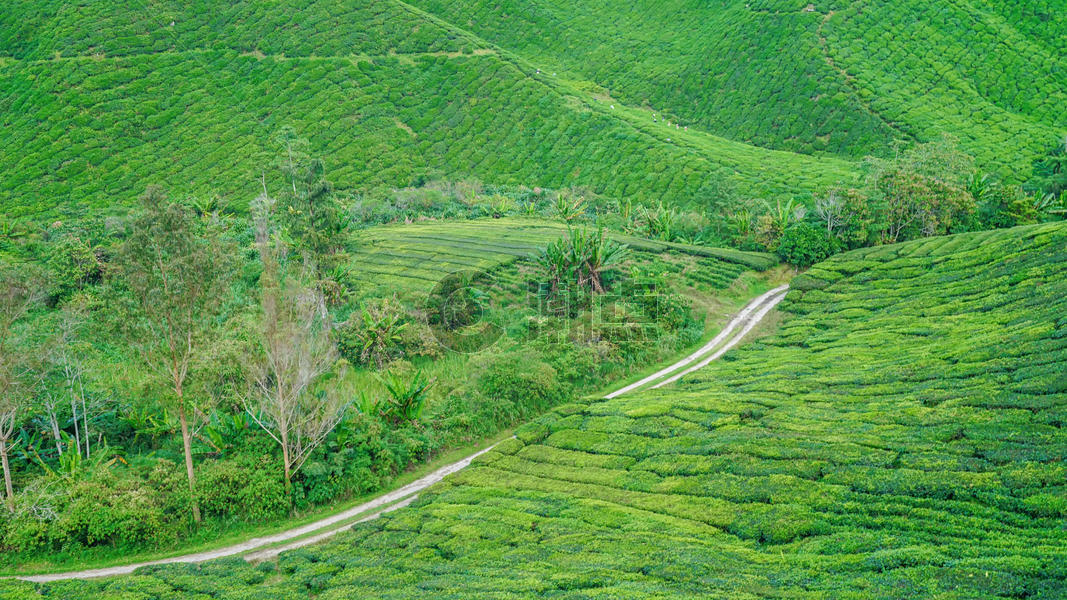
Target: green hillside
[[900, 436], [820, 76], [102, 99], [93, 114]]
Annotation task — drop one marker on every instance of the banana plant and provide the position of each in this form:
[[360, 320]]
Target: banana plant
[[406, 399], [379, 332], [569, 207]]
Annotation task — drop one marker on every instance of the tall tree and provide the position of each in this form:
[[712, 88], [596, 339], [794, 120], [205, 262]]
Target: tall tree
[[922, 190], [311, 213], [287, 400], [177, 269], [20, 289], [63, 358]]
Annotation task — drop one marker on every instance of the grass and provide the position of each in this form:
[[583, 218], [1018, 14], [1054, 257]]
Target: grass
[[899, 436]]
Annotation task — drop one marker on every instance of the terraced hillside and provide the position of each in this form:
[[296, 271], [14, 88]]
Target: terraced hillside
[[101, 100], [822, 76], [412, 258], [900, 436]]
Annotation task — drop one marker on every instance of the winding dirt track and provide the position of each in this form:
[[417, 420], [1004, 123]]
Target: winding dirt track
[[269, 546]]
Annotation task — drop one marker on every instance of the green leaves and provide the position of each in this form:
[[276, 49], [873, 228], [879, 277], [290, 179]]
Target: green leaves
[[407, 396], [580, 261]]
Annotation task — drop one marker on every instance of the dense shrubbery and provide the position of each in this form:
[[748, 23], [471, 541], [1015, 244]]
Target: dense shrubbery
[[924, 190], [805, 244]]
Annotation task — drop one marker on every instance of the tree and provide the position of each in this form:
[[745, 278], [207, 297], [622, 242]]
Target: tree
[[917, 205], [923, 190], [312, 215], [776, 219], [846, 212], [803, 245], [20, 290], [377, 332], [1050, 171], [287, 398], [177, 269], [581, 259], [63, 357]]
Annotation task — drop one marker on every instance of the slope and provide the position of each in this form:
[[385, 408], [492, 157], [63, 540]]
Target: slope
[[901, 436], [104, 99], [835, 76]]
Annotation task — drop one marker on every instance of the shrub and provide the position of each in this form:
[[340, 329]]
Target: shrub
[[518, 384], [803, 245], [114, 510], [776, 523], [246, 487]]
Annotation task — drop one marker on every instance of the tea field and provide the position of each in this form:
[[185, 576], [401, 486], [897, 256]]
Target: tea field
[[900, 436], [826, 76], [190, 97], [409, 259]]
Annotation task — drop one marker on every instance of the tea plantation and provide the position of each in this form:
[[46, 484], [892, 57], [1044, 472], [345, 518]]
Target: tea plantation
[[823, 76], [900, 436], [102, 100], [411, 259]]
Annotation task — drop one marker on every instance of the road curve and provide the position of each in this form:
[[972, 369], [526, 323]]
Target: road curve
[[262, 548]]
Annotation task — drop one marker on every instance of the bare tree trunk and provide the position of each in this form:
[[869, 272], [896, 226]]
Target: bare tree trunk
[[285, 459], [187, 442], [7, 475], [74, 416], [55, 431], [85, 417]]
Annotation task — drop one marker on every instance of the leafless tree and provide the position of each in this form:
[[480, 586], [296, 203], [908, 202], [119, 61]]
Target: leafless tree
[[831, 209], [296, 355]]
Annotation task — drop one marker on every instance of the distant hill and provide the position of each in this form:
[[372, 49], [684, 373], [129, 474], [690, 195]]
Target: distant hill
[[830, 76], [103, 100]]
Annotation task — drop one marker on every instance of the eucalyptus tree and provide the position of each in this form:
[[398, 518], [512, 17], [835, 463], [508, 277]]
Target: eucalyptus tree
[[177, 269]]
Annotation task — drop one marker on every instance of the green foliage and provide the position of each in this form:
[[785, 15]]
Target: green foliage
[[375, 335], [248, 487], [840, 78], [581, 261], [1049, 180], [406, 398], [311, 215], [73, 264], [804, 244], [477, 116], [518, 384]]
